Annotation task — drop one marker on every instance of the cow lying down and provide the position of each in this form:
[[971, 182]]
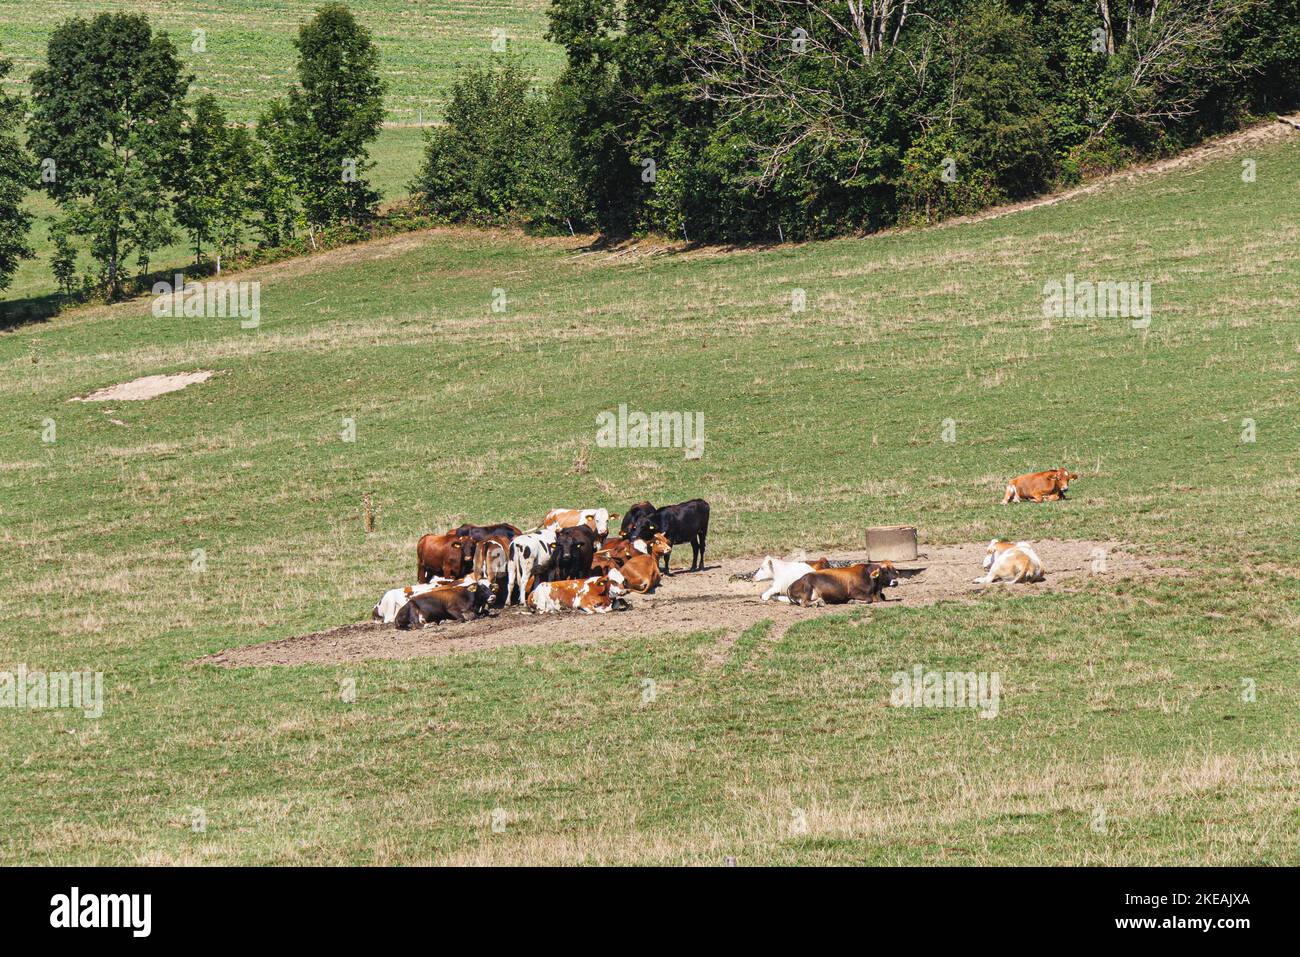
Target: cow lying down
[[865, 581], [391, 603], [594, 596], [461, 601], [783, 574], [1013, 562]]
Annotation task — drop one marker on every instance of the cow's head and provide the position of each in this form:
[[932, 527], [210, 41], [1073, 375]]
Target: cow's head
[[615, 584], [484, 593], [1064, 478], [646, 529], [885, 574], [660, 546], [764, 572], [466, 546], [995, 545]]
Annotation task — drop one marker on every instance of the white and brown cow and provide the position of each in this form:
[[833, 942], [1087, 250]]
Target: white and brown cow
[[593, 596], [597, 519], [1013, 562]]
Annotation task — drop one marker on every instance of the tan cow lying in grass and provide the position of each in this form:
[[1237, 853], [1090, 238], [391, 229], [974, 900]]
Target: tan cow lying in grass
[[1049, 486]]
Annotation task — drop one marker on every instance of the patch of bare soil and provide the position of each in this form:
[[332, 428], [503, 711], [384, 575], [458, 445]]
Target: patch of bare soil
[[712, 600], [146, 387]]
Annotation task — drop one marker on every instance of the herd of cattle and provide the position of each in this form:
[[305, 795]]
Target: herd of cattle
[[570, 562]]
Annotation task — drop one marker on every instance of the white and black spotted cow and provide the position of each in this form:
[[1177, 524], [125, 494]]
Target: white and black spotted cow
[[531, 554]]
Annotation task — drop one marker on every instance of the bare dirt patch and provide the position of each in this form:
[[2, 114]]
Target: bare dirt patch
[[146, 387], [712, 600]]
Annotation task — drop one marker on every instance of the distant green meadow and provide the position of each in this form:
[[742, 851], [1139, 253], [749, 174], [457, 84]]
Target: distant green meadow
[[1142, 721], [248, 56]]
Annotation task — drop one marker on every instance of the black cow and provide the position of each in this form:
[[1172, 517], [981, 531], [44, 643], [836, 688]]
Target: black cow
[[574, 549], [687, 522], [479, 532], [633, 515]]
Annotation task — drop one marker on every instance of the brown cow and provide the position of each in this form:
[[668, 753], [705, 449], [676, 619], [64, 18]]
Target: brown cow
[[1049, 486], [641, 573], [443, 556], [837, 586], [622, 549], [448, 603]]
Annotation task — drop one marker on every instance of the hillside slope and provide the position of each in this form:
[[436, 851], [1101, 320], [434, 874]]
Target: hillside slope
[[921, 374]]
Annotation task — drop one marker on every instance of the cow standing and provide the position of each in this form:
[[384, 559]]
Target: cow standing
[[686, 522], [531, 554], [574, 549], [443, 556]]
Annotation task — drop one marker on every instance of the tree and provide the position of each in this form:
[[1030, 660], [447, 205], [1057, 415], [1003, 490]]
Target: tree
[[216, 199], [108, 112], [491, 161], [329, 117], [15, 175]]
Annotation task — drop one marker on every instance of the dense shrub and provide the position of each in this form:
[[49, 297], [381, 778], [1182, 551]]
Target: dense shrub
[[500, 156]]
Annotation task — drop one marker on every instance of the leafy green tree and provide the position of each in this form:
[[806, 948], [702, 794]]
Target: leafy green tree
[[329, 117], [15, 176], [217, 193], [500, 156], [108, 114]]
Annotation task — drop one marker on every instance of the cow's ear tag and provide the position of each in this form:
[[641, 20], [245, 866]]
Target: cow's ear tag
[[875, 573]]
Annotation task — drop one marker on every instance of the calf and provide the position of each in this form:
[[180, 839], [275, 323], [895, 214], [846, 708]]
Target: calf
[[445, 556], [531, 554], [687, 522], [597, 519], [1013, 562], [574, 549], [633, 515], [783, 574], [460, 602], [1049, 486], [593, 596], [837, 586]]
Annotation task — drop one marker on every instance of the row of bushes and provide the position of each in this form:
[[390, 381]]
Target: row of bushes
[[750, 119]]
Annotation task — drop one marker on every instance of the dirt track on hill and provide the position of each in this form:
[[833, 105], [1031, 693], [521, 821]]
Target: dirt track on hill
[[712, 600]]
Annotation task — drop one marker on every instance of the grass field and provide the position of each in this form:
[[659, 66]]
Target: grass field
[[249, 56], [1124, 734]]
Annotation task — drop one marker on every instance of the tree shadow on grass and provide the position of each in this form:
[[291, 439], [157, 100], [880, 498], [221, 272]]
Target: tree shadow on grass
[[15, 313]]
